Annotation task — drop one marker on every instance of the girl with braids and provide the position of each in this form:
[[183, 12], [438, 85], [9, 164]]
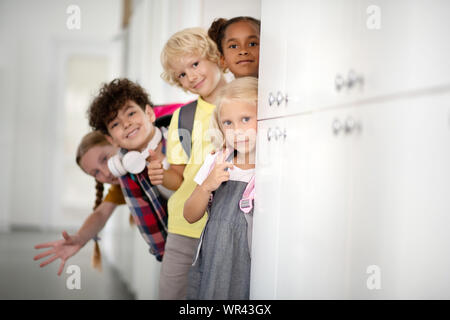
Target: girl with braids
[[92, 156], [238, 42]]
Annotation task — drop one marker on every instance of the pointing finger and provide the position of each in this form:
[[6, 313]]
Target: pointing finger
[[221, 158], [224, 166]]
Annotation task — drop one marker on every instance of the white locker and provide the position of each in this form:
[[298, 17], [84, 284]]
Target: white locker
[[314, 208], [343, 190], [400, 198], [354, 191], [269, 159], [329, 53]]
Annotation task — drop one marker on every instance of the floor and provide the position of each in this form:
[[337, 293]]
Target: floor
[[22, 278]]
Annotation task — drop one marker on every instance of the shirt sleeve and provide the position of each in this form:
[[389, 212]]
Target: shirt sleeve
[[115, 195], [175, 152], [205, 169]]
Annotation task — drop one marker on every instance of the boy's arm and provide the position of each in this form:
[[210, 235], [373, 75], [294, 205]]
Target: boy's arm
[[176, 156], [173, 177]]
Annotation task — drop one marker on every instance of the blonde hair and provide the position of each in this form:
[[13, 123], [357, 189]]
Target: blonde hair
[[184, 43], [243, 89]]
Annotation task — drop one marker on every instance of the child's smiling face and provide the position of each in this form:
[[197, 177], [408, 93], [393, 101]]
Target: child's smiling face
[[132, 128], [94, 162], [198, 75], [241, 49], [238, 122]]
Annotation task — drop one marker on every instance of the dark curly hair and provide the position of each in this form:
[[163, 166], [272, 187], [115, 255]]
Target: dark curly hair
[[111, 98], [217, 29]]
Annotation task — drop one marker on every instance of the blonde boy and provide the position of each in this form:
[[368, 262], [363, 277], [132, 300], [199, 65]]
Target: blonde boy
[[191, 61]]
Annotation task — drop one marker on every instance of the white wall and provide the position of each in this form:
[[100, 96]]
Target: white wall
[[7, 109], [213, 9], [29, 33]]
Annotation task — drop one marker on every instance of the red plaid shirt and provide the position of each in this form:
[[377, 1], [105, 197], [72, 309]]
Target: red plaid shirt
[[148, 207]]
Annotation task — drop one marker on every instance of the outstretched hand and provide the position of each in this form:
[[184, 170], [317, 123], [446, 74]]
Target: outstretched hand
[[62, 249]]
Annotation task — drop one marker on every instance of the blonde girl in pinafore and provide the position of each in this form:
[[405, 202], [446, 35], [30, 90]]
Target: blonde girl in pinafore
[[221, 269]]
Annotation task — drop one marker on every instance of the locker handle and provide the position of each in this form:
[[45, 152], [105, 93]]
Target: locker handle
[[269, 134], [271, 99]]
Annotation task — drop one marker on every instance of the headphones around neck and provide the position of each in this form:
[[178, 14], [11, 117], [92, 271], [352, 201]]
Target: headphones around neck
[[133, 161]]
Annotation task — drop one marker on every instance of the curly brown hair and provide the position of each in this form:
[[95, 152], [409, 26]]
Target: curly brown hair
[[111, 98], [217, 29]]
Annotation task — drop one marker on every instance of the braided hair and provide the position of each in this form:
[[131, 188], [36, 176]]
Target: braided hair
[[92, 139], [97, 256]]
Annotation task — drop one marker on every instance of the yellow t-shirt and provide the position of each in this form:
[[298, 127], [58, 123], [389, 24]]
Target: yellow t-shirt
[[201, 147]]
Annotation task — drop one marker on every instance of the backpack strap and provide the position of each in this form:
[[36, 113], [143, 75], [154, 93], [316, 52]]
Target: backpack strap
[[246, 203], [185, 125]]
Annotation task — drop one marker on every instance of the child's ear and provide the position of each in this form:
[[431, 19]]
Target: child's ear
[[111, 140], [223, 64], [151, 113]]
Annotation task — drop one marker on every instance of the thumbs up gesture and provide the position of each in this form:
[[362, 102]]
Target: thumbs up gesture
[[155, 169]]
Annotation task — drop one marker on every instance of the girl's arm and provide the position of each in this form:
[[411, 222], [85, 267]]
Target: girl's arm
[[70, 245], [95, 222], [195, 206]]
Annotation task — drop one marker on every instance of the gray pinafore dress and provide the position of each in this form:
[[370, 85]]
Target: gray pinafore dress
[[222, 267]]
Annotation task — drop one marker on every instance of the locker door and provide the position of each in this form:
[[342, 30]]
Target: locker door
[[272, 58], [313, 235], [400, 199], [268, 190]]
